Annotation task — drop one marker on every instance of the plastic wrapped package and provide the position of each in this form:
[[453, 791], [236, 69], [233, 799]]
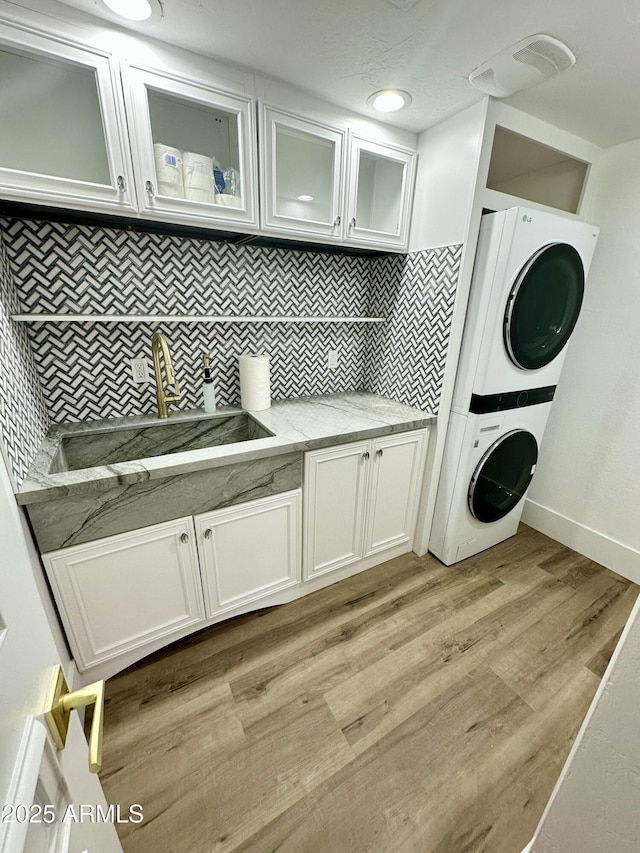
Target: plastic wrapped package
[[196, 173], [168, 162]]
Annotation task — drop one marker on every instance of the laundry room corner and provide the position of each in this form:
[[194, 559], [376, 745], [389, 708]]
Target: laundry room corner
[[587, 485]]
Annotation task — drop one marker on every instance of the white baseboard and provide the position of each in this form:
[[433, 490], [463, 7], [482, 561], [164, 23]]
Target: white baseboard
[[596, 546]]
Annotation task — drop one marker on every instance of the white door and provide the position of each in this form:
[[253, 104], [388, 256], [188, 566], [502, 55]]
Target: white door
[[396, 474], [335, 495], [38, 784]]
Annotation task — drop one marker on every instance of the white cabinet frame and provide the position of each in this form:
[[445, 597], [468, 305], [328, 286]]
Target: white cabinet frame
[[366, 236], [116, 197], [249, 551], [271, 119], [353, 503], [85, 603], [136, 81]]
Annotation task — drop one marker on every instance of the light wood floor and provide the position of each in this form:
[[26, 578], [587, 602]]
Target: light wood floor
[[414, 707]]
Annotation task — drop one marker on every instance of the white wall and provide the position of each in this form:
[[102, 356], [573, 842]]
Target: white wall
[[586, 492], [594, 807]]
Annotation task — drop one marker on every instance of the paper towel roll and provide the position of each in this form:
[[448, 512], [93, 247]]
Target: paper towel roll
[[255, 383], [168, 170], [196, 174]]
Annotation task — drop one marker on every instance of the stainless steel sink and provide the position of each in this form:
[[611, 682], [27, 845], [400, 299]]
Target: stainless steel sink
[[90, 449]]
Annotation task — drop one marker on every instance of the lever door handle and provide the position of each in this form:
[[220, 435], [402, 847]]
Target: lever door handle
[[60, 703]]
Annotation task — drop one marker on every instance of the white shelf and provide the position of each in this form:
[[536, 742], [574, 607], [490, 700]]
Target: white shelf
[[183, 318]]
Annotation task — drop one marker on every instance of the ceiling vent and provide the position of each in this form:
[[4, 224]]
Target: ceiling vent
[[522, 65]]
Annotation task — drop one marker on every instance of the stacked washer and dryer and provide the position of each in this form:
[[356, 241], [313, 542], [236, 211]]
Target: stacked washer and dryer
[[526, 294]]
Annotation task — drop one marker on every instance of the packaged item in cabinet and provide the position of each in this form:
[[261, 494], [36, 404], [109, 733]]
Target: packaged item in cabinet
[[196, 174], [168, 170], [231, 196], [217, 177]]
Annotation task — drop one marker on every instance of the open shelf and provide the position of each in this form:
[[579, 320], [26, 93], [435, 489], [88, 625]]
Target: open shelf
[[183, 318]]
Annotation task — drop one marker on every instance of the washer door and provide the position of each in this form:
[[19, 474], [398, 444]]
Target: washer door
[[503, 475], [543, 306]]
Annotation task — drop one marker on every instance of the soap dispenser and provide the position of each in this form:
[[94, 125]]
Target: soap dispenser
[[208, 389]]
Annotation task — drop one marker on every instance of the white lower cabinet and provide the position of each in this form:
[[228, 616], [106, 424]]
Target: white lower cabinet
[[123, 592], [249, 551], [361, 499], [126, 595], [119, 596]]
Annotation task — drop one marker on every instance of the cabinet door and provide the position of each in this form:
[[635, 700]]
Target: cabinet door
[[335, 494], [249, 551], [193, 148], [62, 134], [301, 175], [381, 181], [122, 592], [397, 464]]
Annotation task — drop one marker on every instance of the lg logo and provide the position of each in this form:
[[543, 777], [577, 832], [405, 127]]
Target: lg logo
[[526, 218]]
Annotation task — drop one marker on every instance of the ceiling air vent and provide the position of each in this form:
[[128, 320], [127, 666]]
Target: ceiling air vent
[[522, 65]]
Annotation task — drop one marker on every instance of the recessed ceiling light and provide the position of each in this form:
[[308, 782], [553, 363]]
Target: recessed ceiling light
[[304, 198], [389, 100], [135, 10]]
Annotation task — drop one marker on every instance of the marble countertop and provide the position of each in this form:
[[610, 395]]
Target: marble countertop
[[300, 424]]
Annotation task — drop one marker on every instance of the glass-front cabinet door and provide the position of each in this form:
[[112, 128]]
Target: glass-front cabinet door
[[194, 149], [381, 181], [301, 175], [62, 130]]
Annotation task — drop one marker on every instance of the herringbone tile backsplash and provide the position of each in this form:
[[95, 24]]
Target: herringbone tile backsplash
[[23, 414], [83, 369]]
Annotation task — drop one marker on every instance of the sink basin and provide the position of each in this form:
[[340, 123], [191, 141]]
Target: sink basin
[[90, 449]]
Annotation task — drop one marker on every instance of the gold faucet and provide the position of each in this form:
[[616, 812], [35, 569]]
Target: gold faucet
[[164, 395]]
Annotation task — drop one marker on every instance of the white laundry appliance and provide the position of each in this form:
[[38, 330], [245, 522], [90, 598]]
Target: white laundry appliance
[[488, 464], [526, 295], [528, 283]]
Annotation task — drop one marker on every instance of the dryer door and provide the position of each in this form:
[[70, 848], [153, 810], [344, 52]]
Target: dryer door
[[503, 475], [543, 306]]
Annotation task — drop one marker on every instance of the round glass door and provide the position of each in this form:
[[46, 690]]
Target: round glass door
[[543, 306], [502, 476]]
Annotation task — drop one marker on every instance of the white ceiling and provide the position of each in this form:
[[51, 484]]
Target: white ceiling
[[343, 50]]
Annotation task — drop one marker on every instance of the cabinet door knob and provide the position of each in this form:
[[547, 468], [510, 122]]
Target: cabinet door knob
[[208, 533], [352, 223], [379, 452], [365, 455], [337, 221], [121, 183], [150, 188], [184, 538]]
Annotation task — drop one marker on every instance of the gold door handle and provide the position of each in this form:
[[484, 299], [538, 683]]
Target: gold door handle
[[60, 703]]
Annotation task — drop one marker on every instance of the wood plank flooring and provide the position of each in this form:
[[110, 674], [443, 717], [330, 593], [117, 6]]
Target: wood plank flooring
[[413, 707]]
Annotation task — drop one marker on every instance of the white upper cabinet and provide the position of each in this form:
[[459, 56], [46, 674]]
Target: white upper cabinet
[[194, 149], [62, 134], [301, 169], [310, 188], [381, 179]]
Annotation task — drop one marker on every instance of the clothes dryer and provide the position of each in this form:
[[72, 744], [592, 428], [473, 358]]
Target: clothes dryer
[[489, 462], [526, 294]]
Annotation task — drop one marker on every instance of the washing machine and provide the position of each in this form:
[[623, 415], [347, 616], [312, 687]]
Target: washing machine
[[489, 461], [526, 294]]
